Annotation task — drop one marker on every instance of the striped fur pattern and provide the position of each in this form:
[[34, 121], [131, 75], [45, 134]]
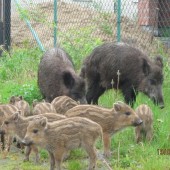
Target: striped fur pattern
[[15, 122], [63, 103], [21, 104], [61, 136], [146, 128], [6, 109], [111, 120], [43, 107]]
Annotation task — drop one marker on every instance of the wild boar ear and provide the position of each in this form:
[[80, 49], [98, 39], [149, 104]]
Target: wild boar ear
[[117, 106], [34, 103], [21, 97], [146, 67], [15, 116], [12, 100], [68, 79], [159, 61], [43, 122]]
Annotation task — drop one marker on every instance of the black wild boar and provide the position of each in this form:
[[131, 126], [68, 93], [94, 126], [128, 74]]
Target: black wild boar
[[57, 77], [138, 73]]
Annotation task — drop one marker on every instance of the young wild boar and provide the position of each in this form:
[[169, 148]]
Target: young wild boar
[[63, 103], [64, 135], [15, 122], [111, 120], [42, 107], [128, 68], [21, 104], [6, 109], [146, 128], [57, 77]]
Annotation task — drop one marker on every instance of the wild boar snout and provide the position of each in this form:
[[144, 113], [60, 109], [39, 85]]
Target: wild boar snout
[[137, 122], [83, 101], [26, 141], [2, 131]]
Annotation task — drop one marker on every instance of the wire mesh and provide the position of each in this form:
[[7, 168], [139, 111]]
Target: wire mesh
[[144, 23]]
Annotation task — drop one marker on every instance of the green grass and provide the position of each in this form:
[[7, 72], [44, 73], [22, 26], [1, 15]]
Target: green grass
[[18, 76]]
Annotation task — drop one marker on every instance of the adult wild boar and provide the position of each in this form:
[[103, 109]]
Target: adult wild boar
[[57, 77], [128, 68]]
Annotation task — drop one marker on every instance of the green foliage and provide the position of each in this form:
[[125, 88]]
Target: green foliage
[[18, 74], [44, 154], [75, 165], [79, 43]]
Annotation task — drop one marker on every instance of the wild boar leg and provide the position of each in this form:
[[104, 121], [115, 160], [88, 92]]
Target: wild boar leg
[[149, 135], [52, 161], [27, 153], [138, 135], [98, 92], [107, 142], [3, 141], [59, 157], [92, 155], [35, 149], [9, 142], [129, 95]]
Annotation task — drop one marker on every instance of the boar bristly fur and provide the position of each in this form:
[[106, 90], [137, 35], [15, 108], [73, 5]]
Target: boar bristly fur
[[111, 120], [16, 125], [63, 103], [145, 130], [121, 66], [64, 135], [6, 109], [21, 104], [57, 77], [42, 107]]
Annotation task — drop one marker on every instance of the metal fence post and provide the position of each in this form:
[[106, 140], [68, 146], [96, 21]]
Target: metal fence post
[[7, 23], [55, 23], [118, 20], [1, 25]]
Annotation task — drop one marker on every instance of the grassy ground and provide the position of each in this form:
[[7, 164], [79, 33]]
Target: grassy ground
[[18, 76]]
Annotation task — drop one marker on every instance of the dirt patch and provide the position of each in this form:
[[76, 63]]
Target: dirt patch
[[74, 17]]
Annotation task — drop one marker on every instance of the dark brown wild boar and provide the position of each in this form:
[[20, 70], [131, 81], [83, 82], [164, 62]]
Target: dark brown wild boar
[[111, 120], [21, 104], [64, 135], [42, 107], [57, 77], [63, 103], [128, 68], [146, 128], [15, 122]]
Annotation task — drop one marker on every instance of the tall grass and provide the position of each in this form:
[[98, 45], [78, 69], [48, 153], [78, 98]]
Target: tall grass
[[18, 76]]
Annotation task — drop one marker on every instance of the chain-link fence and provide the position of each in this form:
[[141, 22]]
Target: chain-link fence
[[143, 23]]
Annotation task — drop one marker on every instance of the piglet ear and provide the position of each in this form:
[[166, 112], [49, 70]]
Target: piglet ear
[[21, 97], [117, 106], [146, 67], [34, 103], [12, 100], [43, 122], [68, 79], [159, 61], [15, 116]]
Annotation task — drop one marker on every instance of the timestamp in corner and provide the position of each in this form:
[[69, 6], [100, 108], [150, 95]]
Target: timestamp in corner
[[163, 151]]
